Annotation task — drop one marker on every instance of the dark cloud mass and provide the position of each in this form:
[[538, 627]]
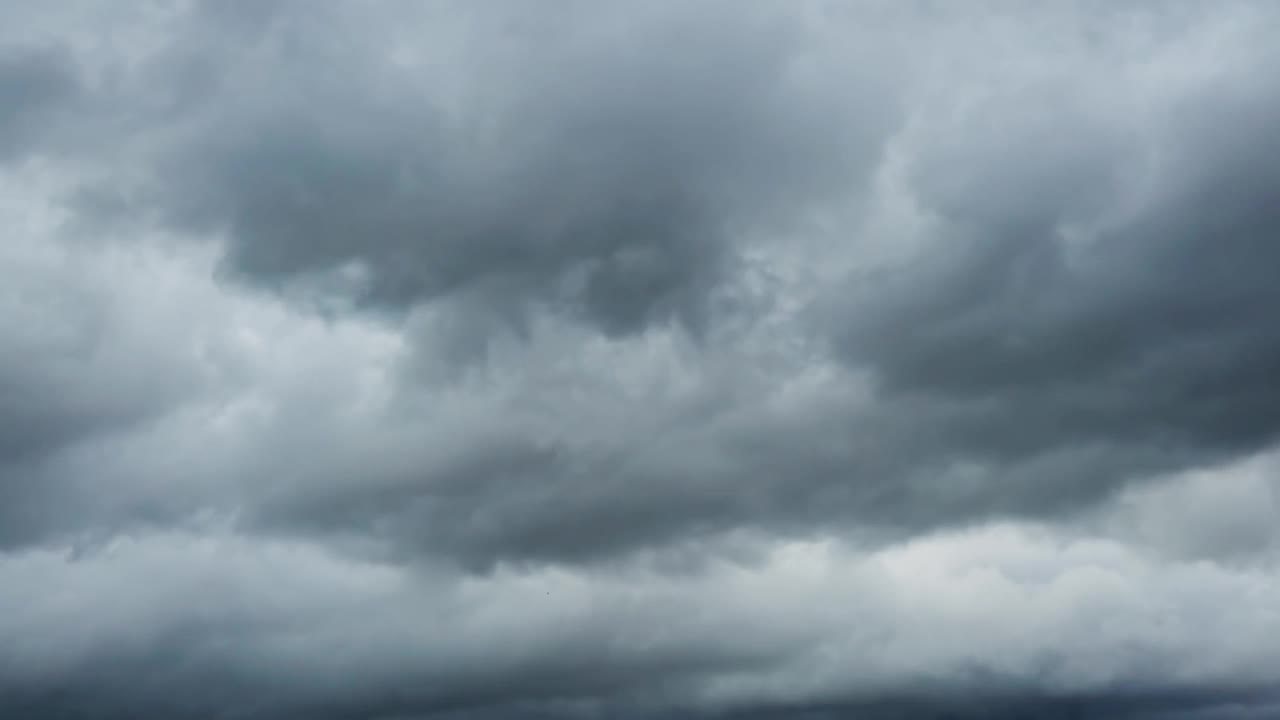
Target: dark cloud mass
[[1145, 341], [602, 169], [32, 82], [704, 360]]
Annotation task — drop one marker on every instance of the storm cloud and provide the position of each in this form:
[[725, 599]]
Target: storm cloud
[[696, 360]]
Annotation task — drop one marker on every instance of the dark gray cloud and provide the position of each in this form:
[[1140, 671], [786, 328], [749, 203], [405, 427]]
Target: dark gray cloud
[[83, 361], [34, 82], [601, 164], [1088, 290], [473, 360], [1172, 705]]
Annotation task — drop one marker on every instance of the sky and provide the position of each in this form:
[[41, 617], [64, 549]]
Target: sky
[[642, 360]]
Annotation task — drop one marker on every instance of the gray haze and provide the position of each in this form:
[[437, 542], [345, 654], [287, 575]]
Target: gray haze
[[568, 359]]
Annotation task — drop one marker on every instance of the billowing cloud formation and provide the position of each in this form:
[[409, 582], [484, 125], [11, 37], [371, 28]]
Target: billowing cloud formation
[[576, 360], [602, 169]]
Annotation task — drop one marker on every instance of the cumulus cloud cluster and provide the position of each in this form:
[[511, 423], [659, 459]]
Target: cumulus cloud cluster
[[639, 359]]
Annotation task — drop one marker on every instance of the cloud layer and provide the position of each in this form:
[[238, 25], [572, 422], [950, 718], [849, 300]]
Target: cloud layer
[[578, 360]]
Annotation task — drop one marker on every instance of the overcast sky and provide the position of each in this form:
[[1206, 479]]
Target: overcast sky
[[640, 359]]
